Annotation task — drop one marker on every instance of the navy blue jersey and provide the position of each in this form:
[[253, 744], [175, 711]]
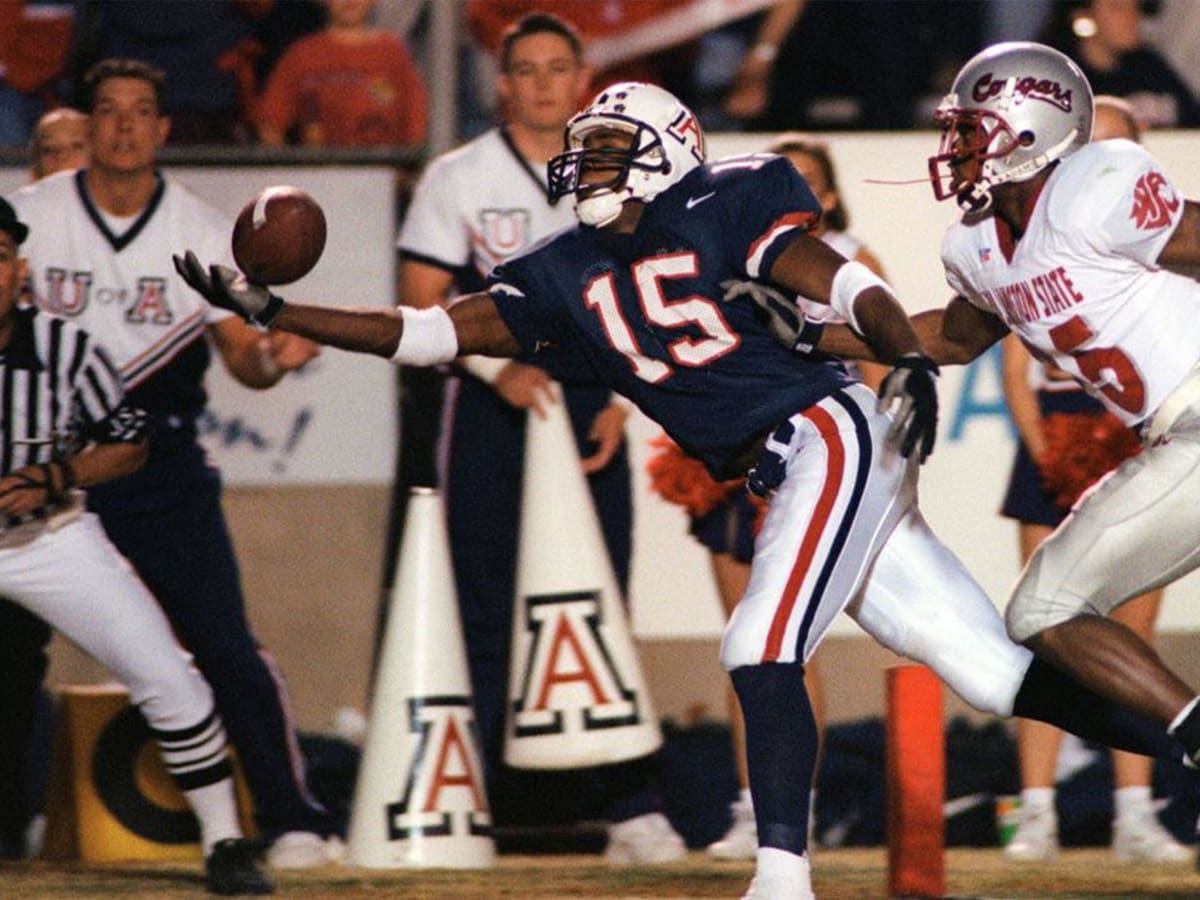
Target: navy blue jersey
[[645, 309]]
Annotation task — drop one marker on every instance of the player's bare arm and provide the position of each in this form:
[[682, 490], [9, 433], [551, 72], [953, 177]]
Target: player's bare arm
[[1182, 252], [958, 333], [470, 324]]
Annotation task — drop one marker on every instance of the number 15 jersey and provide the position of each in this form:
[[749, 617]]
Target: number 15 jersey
[[645, 310]]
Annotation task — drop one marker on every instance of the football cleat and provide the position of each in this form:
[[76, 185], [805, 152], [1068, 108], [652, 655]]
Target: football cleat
[[644, 840], [230, 870]]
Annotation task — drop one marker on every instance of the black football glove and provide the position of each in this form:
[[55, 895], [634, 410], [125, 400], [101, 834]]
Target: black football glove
[[912, 382], [228, 288]]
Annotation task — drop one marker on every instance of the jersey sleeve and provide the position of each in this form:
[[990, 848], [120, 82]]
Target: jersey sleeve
[[433, 230], [1127, 205], [522, 290], [766, 204]]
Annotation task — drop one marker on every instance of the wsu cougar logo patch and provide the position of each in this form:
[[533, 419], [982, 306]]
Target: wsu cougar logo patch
[[443, 793], [1151, 209], [570, 682]]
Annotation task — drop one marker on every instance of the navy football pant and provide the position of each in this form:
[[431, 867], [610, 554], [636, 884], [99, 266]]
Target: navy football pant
[[172, 529], [483, 450], [23, 663]]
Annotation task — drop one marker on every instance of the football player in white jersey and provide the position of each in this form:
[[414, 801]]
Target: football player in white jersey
[[99, 255], [474, 208], [1083, 250]]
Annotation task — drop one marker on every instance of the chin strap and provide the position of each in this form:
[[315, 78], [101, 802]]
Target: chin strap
[[600, 208]]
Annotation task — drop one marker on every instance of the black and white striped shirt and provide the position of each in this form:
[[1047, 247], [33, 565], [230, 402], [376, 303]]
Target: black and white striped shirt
[[59, 392]]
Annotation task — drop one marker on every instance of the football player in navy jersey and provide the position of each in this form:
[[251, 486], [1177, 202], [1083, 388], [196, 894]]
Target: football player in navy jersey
[[635, 291]]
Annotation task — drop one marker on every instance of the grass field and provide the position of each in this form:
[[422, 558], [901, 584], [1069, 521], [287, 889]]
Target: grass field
[[840, 874]]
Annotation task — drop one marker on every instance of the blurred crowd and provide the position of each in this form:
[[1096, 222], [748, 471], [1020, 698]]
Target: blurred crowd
[[353, 73]]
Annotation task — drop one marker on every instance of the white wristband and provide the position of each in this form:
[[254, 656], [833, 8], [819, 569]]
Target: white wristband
[[428, 338], [485, 368], [848, 282]]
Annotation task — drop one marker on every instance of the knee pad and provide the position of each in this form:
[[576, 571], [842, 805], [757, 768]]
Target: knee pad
[[1031, 611]]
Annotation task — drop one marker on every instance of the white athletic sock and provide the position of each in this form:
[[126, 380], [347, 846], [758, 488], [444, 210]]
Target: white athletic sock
[[1128, 800], [1038, 799], [216, 810], [744, 797]]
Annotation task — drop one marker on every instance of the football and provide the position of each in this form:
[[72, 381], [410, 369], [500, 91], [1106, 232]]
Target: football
[[279, 236]]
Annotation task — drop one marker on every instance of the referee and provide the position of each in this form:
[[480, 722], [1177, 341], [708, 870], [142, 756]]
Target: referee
[[65, 424]]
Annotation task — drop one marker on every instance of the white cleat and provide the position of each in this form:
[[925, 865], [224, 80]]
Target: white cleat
[[763, 887], [1141, 837], [304, 850], [644, 840], [741, 840], [780, 875], [1036, 838]]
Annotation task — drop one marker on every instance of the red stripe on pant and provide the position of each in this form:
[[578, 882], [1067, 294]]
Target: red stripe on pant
[[835, 467]]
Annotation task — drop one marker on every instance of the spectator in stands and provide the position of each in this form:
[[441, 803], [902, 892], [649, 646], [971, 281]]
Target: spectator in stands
[[199, 44], [1047, 405], [748, 94], [625, 40], [1104, 38], [35, 44], [348, 85], [60, 142]]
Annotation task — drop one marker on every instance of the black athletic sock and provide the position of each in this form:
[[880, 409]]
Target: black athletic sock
[[1050, 695], [781, 751], [1186, 730]]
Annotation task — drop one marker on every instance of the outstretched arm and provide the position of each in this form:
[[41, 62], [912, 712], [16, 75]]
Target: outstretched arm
[[477, 326], [421, 337], [956, 334]]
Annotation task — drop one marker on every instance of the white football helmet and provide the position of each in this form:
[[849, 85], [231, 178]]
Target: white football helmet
[[667, 143], [1014, 109]]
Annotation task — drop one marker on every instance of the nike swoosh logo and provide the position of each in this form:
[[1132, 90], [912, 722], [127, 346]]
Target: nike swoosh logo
[[696, 201]]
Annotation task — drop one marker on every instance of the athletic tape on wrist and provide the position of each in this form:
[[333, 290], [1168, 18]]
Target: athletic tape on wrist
[[848, 282], [428, 338]]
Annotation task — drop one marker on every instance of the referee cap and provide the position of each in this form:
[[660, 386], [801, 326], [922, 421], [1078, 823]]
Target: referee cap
[[11, 224]]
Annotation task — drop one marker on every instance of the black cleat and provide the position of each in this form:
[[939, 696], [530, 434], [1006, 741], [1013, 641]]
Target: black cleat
[[230, 870]]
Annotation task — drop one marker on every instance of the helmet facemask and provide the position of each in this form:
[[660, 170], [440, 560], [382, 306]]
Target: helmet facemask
[[664, 143], [599, 201], [969, 137]]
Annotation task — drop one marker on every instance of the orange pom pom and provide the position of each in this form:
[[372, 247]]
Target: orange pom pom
[[678, 478], [1080, 449]]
